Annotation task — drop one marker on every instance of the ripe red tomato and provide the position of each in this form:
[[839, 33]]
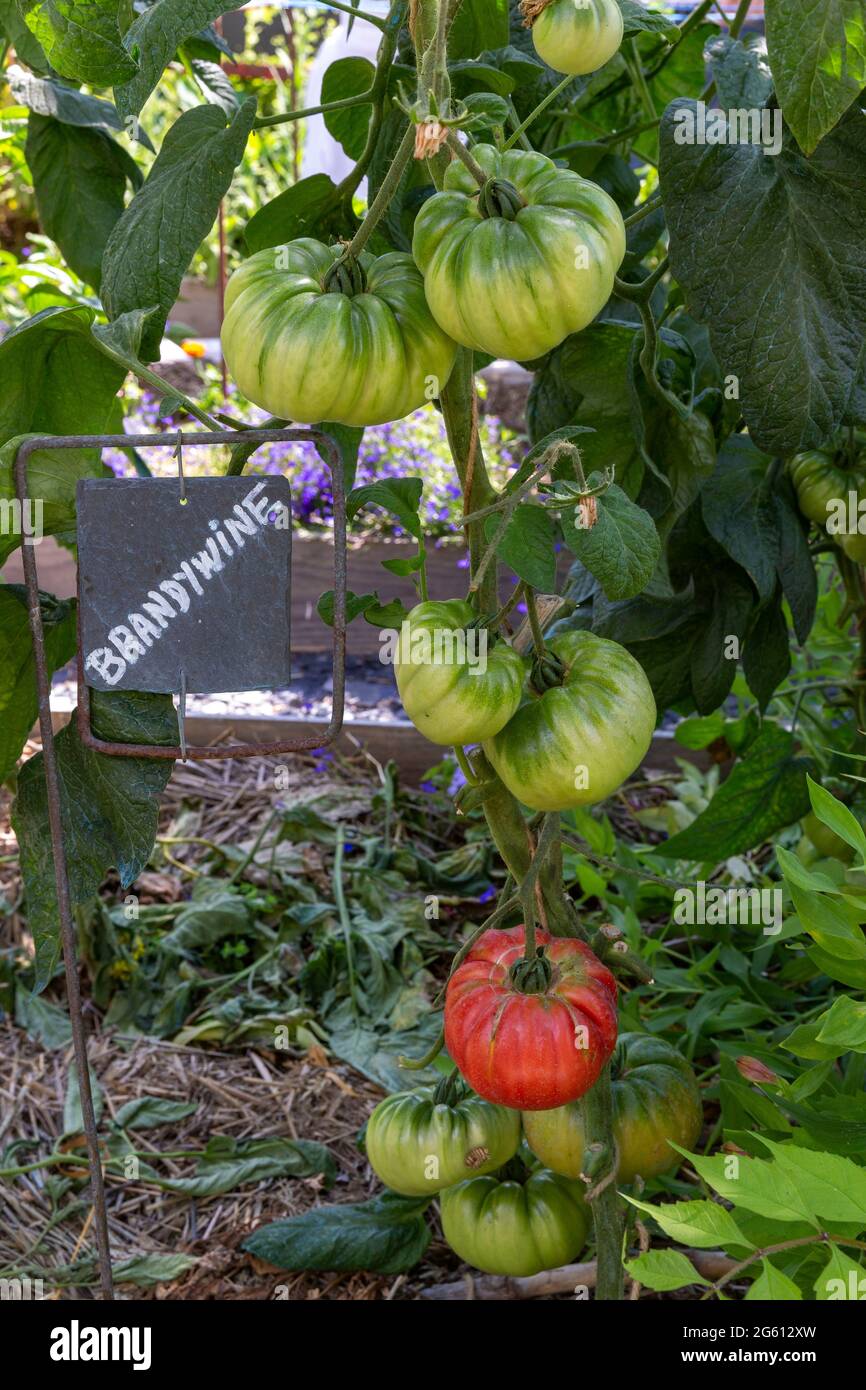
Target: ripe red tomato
[[530, 1051]]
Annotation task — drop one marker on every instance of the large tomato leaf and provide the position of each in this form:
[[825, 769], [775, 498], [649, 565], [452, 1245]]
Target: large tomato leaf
[[55, 379], [109, 811], [48, 97], [387, 1234], [79, 178], [152, 244], [26, 45], [783, 291], [817, 51], [154, 38], [766, 791], [18, 702], [81, 38]]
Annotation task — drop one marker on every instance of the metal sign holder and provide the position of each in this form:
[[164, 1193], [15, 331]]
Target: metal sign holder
[[327, 445]]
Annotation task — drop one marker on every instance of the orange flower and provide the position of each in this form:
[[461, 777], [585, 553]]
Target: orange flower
[[429, 139], [192, 348]]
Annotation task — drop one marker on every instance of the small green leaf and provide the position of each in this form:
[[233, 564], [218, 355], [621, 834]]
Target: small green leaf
[[149, 1112], [348, 77], [703, 1224], [622, 549], [844, 1024], [837, 816], [526, 545], [399, 496], [772, 1286], [664, 1270], [385, 1235], [841, 1279]]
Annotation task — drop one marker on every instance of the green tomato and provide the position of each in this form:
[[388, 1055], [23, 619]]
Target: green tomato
[[457, 685], [578, 36], [655, 1099], [515, 1228], [828, 844], [513, 269], [417, 1146], [579, 741], [361, 352], [821, 485]]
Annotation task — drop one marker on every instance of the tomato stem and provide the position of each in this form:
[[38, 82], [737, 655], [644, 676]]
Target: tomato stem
[[607, 1213], [386, 192], [457, 147], [532, 612], [542, 105]]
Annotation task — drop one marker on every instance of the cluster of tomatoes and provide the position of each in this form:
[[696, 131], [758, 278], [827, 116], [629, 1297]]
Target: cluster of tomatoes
[[528, 1059], [508, 266], [823, 481]]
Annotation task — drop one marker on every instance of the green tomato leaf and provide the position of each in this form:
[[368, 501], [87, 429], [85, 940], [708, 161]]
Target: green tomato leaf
[[52, 476], [765, 792], [741, 71], [526, 545], [81, 38], [832, 812], [309, 207], [387, 1235], [152, 244], [703, 1224], [79, 178], [844, 1025], [664, 1270], [787, 212], [622, 549], [772, 1286], [215, 84], [27, 47], [639, 20], [370, 606], [803, 1042], [767, 653], [399, 496], [149, 1112], [109, 811], [832, 1187], [348, 77], [18, 699], [156, 36], [841, 1278], [758, 1186], [738, 514], [478, 25], [228, 1163], [48, 97], [55, 381], [817, 51], [46, 1023], [700, 733]]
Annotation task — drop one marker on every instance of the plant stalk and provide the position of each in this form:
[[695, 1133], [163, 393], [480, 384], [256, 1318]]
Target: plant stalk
[[603, 1199]]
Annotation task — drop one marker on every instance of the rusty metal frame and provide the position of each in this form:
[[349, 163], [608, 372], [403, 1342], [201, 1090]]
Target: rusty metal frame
[[242, 750]]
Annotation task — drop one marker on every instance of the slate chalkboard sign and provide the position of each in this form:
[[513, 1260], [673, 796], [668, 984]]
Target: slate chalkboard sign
[[197, 591]]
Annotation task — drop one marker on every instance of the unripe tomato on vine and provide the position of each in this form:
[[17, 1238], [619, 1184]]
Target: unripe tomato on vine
[[821, 484], [530, 1034], [456, 691], [506, 1225], [421, 1141], [576, 741], [655, 1100], [574, 36], [311, 336], [512, 268]]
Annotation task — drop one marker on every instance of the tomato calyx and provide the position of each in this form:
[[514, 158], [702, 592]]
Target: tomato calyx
[[499, 198], [451, 1089], [532, 976], [547, 671], [346, 276]]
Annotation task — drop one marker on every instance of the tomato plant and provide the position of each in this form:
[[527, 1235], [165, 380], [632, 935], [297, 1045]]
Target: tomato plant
[[659, 220], [511, 1227], [421, 1141], [655, 1100]]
